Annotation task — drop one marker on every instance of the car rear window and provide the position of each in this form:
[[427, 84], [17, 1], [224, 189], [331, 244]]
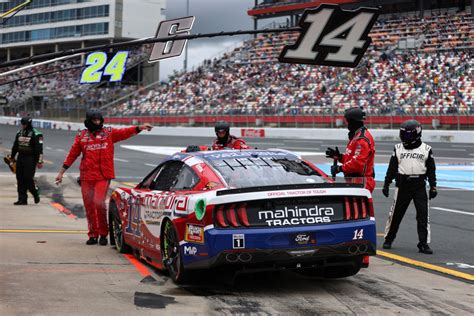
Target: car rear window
[[265, 171]]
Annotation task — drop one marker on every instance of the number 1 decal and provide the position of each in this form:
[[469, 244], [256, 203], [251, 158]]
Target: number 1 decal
[[332, 37]]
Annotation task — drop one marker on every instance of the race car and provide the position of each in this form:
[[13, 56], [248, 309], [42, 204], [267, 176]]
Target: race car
[[249, 209]]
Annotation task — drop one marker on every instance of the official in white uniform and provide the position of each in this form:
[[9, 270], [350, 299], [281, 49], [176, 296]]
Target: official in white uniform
[[412, 163]]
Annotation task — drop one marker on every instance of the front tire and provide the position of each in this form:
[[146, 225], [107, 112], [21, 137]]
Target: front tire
[[171, 254], [117, 237]]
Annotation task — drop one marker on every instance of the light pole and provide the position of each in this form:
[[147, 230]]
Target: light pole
[[186, 48]]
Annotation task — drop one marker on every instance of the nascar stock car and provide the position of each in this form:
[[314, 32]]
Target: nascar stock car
[[249, 209]]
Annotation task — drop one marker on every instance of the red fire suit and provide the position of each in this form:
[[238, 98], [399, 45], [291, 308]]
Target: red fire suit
[[358, 161], [96, 170], [232, 143]]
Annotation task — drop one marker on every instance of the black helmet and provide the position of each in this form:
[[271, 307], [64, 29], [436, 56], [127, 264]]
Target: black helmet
[[410, 132], [26, 120], [93, 114], [354, 114], [222, 126]]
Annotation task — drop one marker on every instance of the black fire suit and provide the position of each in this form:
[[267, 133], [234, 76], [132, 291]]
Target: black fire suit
[[410, 168], [29, 146]]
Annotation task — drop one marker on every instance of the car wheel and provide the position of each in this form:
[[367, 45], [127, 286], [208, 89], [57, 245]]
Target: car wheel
[[116, 230], [172, 259]]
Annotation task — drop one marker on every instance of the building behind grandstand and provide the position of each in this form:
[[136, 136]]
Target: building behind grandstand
[[46, 26]]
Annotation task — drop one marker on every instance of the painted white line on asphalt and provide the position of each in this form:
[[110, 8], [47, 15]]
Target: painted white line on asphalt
[[265, 143], [150, 164], [48, 148], [302, 141], [462, 146], [460, 265], [451, 211], [59, 149], [122, 160]]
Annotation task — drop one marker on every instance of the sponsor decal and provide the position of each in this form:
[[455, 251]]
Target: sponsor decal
[[194, 233], [190, 250], [238, 241], [252, 132], [97, 146], [288, 216], [303, 239], [296, 193]]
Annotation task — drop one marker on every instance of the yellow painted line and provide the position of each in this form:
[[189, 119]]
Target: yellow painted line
[[380, 235], [425, 265], [48, 162], [49, 231]]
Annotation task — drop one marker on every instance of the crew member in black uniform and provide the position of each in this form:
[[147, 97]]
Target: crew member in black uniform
[[29, 146], [411, 164]]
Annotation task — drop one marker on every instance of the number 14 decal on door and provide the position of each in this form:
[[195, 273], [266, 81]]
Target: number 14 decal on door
[[331, 36]]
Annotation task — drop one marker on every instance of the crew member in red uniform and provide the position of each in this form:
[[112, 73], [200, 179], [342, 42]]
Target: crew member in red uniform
[[226, 141], [96, 143], [358, 161]]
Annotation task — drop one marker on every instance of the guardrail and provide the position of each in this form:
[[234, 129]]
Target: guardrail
[[268, 132]]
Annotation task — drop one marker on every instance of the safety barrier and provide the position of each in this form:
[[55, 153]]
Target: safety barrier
[[268, 132]]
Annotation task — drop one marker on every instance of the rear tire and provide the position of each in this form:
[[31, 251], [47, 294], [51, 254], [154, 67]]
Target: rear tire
[[171, 254], [117, 237]]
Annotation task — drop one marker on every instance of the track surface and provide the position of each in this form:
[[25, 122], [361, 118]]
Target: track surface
[[451, 213]]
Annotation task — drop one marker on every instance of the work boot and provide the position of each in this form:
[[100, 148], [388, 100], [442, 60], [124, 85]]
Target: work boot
[[387, 244], [36, 197], [103, 241], [92, 241], [424, 248], [20, 203]]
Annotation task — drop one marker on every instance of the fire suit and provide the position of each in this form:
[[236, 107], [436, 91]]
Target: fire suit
[[96, 171], [358, 160], [29, 146], [232, 143]]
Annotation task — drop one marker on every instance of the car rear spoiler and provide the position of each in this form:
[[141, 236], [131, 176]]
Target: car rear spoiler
[[290, 187]]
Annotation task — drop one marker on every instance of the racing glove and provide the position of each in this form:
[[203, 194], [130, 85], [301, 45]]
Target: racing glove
[[333, 153], [385, 190], [335, 169], [433, 192]]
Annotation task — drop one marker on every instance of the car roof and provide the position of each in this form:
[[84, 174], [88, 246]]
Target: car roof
[[247, 153]]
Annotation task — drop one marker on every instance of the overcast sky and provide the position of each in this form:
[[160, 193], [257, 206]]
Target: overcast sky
[[211, 16]]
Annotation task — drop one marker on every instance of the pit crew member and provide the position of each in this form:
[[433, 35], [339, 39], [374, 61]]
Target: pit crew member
[[358, 160], [28, 145], [225, 140], [411, 164], [96, 144]]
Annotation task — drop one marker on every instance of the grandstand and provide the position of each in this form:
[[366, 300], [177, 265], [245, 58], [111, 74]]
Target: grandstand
[[414, 67]]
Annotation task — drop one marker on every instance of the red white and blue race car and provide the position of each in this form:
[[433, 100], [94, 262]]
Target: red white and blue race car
[[262, 209]]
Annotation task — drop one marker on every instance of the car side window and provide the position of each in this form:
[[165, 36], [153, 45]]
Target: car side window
[[187, 179], [167, 176], [148, 181]]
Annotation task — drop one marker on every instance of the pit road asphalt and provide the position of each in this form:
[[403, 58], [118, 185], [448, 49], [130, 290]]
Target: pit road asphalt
[[451, 240]]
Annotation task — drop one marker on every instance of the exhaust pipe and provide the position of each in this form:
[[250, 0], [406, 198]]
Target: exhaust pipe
[[245, 257], [353, 249], [363, 248], [231, 257]]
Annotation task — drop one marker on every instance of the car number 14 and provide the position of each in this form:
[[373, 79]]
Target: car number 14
[[358, 234]]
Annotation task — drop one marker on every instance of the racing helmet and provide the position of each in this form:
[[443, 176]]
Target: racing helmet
[[354, 114], [93, 114], [222, 126], [26, 120], [410, 132]]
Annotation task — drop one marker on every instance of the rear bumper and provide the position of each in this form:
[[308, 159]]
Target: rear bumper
[[277, 247]]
